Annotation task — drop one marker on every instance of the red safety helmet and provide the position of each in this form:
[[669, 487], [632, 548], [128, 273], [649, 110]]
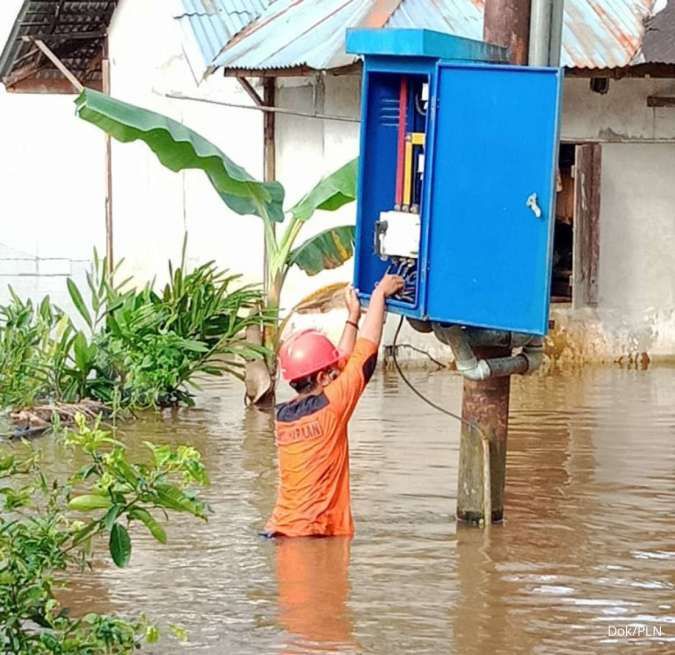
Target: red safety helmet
[[305, 353]]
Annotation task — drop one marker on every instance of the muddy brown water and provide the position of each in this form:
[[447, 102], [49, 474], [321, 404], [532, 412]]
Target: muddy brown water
[[587, 548]]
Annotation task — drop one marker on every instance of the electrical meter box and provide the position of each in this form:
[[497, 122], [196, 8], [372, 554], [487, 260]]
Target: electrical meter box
[[457, 176]]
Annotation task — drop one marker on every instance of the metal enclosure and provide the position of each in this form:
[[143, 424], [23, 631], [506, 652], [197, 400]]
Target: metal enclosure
[[456, 179]]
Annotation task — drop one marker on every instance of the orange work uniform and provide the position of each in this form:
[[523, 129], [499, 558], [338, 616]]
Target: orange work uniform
[[311, 437]]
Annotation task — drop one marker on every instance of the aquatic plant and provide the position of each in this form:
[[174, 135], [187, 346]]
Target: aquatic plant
[[179, 148], [48, 529]]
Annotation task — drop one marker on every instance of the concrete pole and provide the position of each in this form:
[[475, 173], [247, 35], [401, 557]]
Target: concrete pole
[[486, 404]]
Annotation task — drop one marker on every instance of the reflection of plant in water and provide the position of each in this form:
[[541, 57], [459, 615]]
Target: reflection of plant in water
[[40, 541], [139, 348]]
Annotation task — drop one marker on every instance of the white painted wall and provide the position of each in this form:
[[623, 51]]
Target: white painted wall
[[52, 209], [153, 207], [637, 245], [622, 113], [51, 165]]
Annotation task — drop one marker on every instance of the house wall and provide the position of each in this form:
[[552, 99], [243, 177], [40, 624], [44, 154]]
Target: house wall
[[154, 207], [636, 276], [51, 187], [54, 200]]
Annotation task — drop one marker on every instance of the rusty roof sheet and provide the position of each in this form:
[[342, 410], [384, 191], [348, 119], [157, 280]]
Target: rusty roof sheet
[[74, 29], [310, 33], [294, 33], [604, 33]]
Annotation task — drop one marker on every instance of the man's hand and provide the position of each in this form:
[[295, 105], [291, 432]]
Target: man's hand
[[390, 285], [353, 304]]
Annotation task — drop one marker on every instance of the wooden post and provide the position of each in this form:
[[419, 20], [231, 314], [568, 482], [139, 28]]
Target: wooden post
[[486, 404], [105, 68], [586, 238], [269, 154], [60, 66], [269, 130]]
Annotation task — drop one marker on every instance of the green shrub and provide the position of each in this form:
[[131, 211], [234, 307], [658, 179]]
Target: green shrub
[[140, 348], [41, 540]]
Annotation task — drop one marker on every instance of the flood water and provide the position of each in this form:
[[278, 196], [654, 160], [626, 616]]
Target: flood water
[[588, 545]]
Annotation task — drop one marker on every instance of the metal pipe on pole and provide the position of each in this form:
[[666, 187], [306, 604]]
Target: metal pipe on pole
[[485, 404], [546, 32]]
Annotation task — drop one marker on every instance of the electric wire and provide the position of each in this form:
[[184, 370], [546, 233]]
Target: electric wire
[[419, 394], [418, 106], [421, 351], [484, 440]]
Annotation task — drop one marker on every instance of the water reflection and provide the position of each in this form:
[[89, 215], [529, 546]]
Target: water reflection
[[587, 544], [313, 588]]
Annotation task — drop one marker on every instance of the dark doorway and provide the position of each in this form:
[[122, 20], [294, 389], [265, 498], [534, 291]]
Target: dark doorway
[[576, 236]]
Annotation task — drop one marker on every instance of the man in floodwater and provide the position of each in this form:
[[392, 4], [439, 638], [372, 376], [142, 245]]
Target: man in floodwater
[[311, 429]]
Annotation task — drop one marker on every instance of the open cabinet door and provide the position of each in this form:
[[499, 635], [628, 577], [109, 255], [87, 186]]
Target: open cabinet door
[[586, 224], [494, 158]]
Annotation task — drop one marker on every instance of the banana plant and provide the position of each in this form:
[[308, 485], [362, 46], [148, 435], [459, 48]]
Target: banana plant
[[180, 148]]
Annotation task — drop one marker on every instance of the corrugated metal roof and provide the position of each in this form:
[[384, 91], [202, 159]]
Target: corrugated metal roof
[[75, 31], [313, 35], [603, 33], [310, 33], [460, 17], [215, 22]]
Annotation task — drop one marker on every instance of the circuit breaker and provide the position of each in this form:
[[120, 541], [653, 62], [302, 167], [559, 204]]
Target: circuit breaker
[[456, 178]]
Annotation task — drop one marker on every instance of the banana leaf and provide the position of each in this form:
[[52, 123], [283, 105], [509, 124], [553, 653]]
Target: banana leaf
[[328, 249], [330, 193], [179, 148]]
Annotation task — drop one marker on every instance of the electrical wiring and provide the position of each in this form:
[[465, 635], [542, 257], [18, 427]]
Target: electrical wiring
[[419, 394], [484, 440]]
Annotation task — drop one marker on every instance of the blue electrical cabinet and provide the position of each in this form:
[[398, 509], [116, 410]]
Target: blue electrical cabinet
[[457, 177]]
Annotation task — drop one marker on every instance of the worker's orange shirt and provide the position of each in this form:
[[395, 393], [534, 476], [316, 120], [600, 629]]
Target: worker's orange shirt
[[311, 436]]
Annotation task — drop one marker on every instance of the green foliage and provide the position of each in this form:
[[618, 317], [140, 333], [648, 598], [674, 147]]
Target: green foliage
[[154, 344], [179, 148], [40, 540], [141, 348], [326, 250], [41, 354], [23, 333], [331, 193]]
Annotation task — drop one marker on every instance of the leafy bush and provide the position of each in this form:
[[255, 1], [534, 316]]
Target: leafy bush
[[140, 348], [40, 541], [37, 353], [156, 344]]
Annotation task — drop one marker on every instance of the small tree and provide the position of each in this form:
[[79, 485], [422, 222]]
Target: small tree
[[179, 148]]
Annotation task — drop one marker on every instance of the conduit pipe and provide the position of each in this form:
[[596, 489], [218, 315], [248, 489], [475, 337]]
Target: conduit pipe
[[546, 24], [472, 368]]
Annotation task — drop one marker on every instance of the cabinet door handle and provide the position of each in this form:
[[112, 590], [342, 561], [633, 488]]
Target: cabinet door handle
[[533, 204]]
